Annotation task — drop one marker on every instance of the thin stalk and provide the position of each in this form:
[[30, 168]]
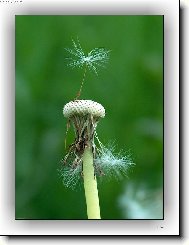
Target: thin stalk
[[82, 82], [90, 185]]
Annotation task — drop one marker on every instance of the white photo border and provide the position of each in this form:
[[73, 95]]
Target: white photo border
[[170, 225]]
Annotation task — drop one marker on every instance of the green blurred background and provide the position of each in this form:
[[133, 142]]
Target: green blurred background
[[130, 89]]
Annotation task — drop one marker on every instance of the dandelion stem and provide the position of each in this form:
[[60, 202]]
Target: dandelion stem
[[90, 185]]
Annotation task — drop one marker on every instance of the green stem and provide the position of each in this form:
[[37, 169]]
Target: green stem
[[90, 185]]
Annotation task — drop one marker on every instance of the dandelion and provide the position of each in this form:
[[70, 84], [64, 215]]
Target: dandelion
[[84, 115], [85, 158], [97, 57]]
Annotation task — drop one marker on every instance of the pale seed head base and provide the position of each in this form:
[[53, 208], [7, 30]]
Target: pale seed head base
[[82, 108]]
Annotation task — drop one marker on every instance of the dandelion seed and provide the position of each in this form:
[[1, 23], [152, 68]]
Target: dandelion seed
[[71, 176], [97, 57], [112, 164]]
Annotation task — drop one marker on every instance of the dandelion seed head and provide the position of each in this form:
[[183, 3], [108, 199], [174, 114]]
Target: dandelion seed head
[[97, 57], [84, 116], [83, 107]]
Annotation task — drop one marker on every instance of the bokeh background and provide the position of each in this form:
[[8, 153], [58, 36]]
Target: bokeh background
[[130, 89]]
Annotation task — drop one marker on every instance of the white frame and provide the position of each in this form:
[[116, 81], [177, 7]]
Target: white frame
[[170, 224]]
